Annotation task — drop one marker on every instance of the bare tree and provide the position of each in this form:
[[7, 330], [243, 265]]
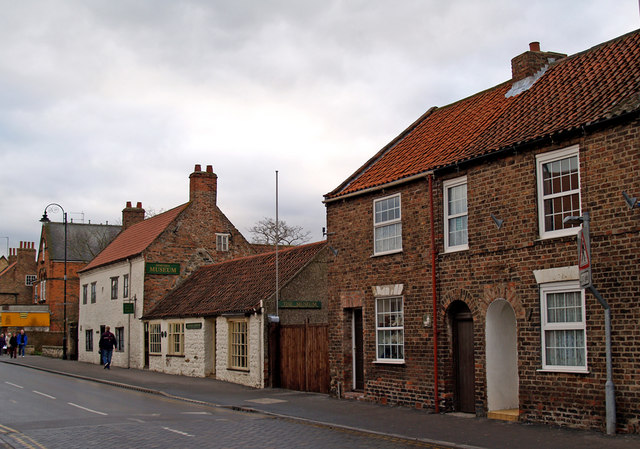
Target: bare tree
[[264, 232]]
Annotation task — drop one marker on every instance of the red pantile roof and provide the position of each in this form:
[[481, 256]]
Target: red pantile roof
[[135, 239], [234, 286], [589, 87]]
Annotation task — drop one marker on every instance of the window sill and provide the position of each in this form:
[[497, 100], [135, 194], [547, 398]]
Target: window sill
[[456, 249], [388, 253], [176, 355], [155, 355], [564, 371], [388, 362], [240, 370]]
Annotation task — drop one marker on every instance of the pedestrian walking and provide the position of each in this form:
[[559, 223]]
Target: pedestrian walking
[[106, 344], [13, 346], [22, 342], [3, 344]]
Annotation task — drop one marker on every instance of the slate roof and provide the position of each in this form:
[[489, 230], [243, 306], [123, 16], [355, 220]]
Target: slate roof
[[135, 239], [581, 90], [84, 241], [235, 286]]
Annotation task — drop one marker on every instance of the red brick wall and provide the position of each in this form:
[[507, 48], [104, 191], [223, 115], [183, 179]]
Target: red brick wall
[[194, 229], [499, 264]]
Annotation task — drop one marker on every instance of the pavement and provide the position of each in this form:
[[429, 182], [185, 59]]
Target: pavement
[[416, 427]]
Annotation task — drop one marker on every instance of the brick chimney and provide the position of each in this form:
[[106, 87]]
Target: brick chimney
[[132, 215], [532, 61], [203, 185], [26, 254]]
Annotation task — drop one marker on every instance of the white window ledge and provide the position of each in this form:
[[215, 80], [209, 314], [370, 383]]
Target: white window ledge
[[564, 371]]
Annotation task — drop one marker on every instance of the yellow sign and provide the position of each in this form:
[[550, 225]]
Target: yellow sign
[[24, 319]]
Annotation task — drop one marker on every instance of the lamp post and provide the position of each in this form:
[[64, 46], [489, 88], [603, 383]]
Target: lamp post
[[584, 265], [45, 219]]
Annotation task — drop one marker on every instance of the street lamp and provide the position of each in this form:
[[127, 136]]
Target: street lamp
[[45, 219], [584, 266]]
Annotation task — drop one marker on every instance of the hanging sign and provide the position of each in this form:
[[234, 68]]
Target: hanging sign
[[584, 259]]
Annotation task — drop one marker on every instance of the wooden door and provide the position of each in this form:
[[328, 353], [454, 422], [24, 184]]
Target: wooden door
[[464, 361], [304, 357], [358, 351]]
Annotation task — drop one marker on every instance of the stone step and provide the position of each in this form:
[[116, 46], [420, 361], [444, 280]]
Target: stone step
[[505, 415]]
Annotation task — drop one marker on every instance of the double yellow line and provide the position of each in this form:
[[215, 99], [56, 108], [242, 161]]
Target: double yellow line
[[24, 440]]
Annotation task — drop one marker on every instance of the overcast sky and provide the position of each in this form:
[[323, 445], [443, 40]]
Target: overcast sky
[[104, 102]]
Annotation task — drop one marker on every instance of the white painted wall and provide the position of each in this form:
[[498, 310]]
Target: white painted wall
[[502, 357], [208, 344], [254, 377], [109, 312], [197, 360]]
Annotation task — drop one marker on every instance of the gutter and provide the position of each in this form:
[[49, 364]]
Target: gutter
[[381, 187], [436, 399]]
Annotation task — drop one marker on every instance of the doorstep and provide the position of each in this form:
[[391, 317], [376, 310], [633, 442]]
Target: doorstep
[[505, 415]]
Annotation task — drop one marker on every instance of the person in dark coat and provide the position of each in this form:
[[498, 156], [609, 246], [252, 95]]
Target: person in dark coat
[[13, 346], [106, 344], [3, 344]]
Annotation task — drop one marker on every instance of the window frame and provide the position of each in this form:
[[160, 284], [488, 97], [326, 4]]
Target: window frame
[[546, 158], [175, 334], [94, 287], [387, 224], [85, 293], [155, 338], [562, 287], [393, 329], [446, 185], [30, 279], [114, 287], [222, 241], [234, 354], [125, 285], [88, 340], [120, 339]]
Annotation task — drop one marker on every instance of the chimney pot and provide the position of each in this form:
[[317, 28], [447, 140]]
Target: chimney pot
[[209, 168], [139, 205], [128, 203], [198, 168], [534, 46]]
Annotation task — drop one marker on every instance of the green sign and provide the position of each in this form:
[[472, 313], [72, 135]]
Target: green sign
[[127, 307], [194, 325], [162, 268], [300, 304]]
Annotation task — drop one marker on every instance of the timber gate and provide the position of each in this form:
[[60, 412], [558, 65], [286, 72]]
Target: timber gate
[[304, 357]]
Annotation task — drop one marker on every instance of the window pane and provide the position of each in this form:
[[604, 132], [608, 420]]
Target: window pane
[[565, 348], [457, 198]]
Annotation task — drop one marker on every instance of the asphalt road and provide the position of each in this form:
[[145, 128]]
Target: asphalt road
[[43, 410]]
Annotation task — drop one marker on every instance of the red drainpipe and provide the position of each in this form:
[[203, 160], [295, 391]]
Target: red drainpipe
[[435, 301]]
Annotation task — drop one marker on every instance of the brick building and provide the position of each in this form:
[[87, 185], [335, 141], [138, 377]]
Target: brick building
[[18, 276], [457, 280], [84, 242], [147, 259], [217, 320], [16, 295]]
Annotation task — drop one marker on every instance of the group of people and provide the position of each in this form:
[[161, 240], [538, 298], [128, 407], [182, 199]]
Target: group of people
[[14, 345]]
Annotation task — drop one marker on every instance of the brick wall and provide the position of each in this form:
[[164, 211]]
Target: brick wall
[[498, 265]]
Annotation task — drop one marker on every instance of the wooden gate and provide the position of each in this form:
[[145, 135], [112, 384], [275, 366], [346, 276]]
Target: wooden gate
[[304, 357]]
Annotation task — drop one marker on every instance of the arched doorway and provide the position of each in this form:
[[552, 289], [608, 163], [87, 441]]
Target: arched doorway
[[463, 357], [502, 357]]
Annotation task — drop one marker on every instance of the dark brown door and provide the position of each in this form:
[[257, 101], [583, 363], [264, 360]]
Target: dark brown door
[[464, 361], [304, 357], [358, 350]]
